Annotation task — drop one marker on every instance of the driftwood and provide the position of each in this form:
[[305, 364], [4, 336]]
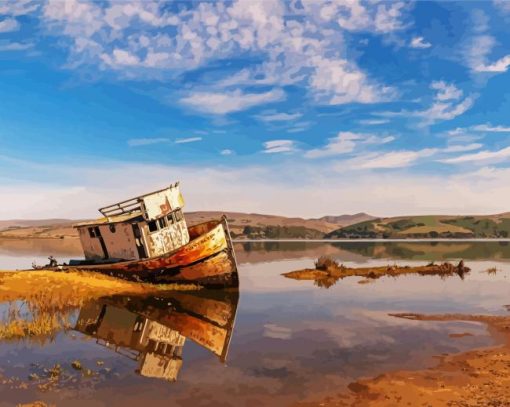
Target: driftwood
[[327, 271]]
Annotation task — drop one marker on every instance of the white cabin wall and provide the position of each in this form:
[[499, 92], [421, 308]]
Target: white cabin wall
[[165, 240], [162, 203], [121, 243]]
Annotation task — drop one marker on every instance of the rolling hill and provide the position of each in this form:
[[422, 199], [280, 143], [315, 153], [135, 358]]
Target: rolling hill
[[242, 226], [437, 226]]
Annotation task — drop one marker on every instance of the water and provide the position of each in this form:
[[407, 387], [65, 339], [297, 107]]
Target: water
[[284, 341]]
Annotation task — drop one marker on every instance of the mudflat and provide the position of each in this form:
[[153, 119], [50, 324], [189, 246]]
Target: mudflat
[[479, 377]]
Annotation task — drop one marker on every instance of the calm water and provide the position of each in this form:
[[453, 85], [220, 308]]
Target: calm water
[[287, 340]]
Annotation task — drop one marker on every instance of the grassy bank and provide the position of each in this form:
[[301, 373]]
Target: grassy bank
[[40, 302]]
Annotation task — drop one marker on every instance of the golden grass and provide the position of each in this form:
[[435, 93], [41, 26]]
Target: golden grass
[[327, 271], [71, 288], [35, 404], [42, 301]]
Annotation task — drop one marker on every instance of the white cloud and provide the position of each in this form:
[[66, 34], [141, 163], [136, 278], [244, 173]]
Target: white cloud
[[279, 146], [336, 82], [136, 142], [446, 105], [501, 65], [18, 7], [346, 142], [391, 159], [229, 101], [503, 5], [278, 117], [490, 128], [187, 140], [8, 24], [302, 45], [420, 43], [446, 111], [480, 157], [480, 46], [273, 189], [446, 91], [120, 58], [14, 46], [299, 127], [226, 152], [354, 15], [373, 122], [457, 148]]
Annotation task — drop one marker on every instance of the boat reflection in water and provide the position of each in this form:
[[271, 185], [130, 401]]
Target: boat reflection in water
[[153, 330]]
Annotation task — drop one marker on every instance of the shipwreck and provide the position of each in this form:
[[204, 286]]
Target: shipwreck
[[146, 238]]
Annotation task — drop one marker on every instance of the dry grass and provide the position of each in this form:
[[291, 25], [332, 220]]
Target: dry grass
[[72, 288], [327, 271], [491, 270], [326, 263], [41, 302], [36, 404]]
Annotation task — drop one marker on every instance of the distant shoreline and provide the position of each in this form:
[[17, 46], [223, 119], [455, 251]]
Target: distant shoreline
[[389, 240], [376, 240]]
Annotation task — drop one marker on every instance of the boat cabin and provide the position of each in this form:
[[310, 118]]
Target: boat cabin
[[156, 347], [149, 225]]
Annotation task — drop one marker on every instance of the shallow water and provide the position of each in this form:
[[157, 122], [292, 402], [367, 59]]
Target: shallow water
[[290, 340]]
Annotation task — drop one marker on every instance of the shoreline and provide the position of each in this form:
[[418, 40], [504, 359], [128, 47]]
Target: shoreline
[[374, 240], [390, 240], [481, 375]]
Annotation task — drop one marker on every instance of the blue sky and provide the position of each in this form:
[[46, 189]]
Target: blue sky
[[299, 108]]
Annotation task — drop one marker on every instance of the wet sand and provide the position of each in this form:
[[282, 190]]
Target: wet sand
[[476, 378]]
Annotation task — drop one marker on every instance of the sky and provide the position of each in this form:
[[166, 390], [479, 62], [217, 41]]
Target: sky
[[298, 108]]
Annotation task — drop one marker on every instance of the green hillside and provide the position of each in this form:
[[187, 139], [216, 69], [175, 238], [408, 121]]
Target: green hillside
[[493, 226]]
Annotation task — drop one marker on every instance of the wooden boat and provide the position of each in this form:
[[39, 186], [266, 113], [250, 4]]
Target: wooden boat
[[208, 260], [146, 238], [153, 330]]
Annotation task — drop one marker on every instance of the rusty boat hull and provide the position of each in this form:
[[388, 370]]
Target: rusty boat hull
[[207, 260]]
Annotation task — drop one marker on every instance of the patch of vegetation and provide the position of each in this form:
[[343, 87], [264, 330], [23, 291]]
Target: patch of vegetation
[[421, 227], [281, 232]]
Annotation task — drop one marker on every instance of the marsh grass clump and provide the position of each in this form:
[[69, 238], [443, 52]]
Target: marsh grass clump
[[23, 321], [326, 263], [327, 271], [492, 270]]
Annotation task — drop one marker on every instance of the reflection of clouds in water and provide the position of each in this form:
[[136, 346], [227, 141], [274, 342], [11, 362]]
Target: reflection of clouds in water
[[277, 332], [294, 342]]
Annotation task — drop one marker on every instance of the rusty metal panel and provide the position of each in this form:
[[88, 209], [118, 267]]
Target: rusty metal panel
[[163, 202]]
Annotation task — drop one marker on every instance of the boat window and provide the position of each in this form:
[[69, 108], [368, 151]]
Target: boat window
[[112, 228], [170, 219], [178, 215], [91, 232], [153, 226], [162, 223]]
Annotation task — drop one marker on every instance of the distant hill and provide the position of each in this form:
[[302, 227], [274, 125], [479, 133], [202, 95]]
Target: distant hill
[[346, 220], [259, 226], [17, 223], [242, 226], [489, 226]]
